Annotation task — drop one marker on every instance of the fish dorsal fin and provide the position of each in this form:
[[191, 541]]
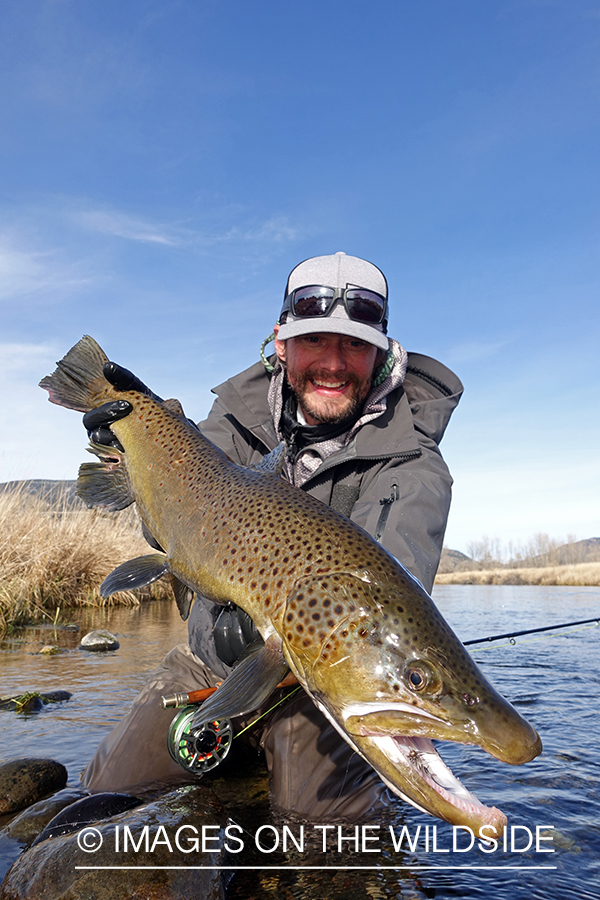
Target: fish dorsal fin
[[251, 682], [184, 597], [135, 573], [271, 463], [174, 406]]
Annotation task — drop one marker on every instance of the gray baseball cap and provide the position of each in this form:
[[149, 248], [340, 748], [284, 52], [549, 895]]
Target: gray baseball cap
[[336, 271]]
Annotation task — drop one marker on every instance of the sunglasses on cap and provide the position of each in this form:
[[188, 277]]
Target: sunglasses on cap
[[316, 300]]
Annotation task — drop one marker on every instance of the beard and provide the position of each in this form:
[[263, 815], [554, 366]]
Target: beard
[[335, 410]]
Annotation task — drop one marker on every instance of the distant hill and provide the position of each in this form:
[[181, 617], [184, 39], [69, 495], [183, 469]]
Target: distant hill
[[586, 551], [576, 552], [455, 561], [52, 492]]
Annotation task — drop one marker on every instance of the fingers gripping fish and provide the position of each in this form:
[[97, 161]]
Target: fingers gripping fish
[[359, 632]]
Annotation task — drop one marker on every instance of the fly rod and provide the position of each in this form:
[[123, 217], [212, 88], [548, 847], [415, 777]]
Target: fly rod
[[182, 699], [512, 634]]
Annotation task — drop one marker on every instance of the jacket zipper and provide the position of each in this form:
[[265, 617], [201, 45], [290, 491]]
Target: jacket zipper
[[405, 456], [386, 505]]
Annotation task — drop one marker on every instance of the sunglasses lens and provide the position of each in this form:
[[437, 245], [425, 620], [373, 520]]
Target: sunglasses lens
[[365, 306], [313, 300]]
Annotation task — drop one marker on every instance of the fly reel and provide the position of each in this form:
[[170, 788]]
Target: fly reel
[[198, 750]]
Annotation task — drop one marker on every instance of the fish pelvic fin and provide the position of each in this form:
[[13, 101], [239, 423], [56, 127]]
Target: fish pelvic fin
[[248, 686], [105, 483], [184, 597], [71, 382], [135, 573]]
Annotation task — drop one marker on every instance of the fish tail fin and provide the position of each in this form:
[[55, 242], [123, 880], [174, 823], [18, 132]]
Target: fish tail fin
[[71, 383]]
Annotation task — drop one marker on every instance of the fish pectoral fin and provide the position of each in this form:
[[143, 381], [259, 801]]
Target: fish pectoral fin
[[135, 573], [249, 685], [184, 597]]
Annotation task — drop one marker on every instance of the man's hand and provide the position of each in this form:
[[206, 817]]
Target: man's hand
[[97, 421], [124, 380]]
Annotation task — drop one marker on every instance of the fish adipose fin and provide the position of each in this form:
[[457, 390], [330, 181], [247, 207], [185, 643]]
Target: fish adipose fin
[[272, 462], [105, 483], [184, 597], [135, 573], [70, 383], [174, 406], [249, 685]]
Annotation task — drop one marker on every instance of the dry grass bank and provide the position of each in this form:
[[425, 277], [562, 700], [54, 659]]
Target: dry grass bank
[[576, 574], [58, 556]]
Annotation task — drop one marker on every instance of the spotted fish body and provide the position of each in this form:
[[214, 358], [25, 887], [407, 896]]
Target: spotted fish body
[[359, 632]]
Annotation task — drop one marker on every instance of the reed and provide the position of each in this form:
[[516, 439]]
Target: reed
[[56, 556], [578, 574]]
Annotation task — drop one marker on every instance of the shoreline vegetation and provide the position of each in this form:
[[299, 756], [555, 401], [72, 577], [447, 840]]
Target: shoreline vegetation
[[541, 560], [577, 574], [55, 554]]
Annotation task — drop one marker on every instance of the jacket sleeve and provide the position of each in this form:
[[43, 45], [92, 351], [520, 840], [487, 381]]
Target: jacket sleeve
[[405, 505], [225, 432]]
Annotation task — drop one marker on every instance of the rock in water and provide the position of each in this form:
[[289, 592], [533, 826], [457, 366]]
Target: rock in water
[[99, 641], [25, 781], [28, 824], [56, 696], [30, 702], [33, 700], [86, 811], [49, 869]]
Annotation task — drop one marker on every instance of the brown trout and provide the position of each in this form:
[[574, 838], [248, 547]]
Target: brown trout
[[361, 635]]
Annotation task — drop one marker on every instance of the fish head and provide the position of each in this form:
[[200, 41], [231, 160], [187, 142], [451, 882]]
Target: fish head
[[390, 674]]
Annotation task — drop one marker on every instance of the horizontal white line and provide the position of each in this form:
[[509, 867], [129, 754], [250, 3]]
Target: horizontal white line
[[332, 868]]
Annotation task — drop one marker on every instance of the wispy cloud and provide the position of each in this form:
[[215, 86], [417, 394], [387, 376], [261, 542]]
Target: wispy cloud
[[116, 223], [475, 351], [38, 439], [132, 228], [25, 271], [16, 359]]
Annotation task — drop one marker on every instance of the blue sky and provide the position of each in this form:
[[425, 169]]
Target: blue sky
[[165, 165]]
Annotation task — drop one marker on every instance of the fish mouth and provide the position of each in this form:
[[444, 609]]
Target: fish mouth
[[429, 785], [407, 761]]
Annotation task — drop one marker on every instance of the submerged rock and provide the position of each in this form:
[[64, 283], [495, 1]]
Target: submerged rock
[[56, 696], [25, 703], [49, 869], [33, 700], [99, 641], [25, 781], [86, 811], [31, 822]]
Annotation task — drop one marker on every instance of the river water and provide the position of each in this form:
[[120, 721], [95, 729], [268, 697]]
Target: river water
[[553, 681]]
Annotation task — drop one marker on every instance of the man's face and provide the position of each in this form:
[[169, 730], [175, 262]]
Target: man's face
[[330, 374]]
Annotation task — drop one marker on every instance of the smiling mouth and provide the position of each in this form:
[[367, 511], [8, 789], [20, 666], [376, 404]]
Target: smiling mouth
[[337, 386]]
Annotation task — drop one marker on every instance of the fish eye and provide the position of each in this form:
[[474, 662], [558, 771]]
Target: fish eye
[[420, 677], [417, 681]]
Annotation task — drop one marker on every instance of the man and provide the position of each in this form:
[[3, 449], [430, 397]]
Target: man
[[361, 421]]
